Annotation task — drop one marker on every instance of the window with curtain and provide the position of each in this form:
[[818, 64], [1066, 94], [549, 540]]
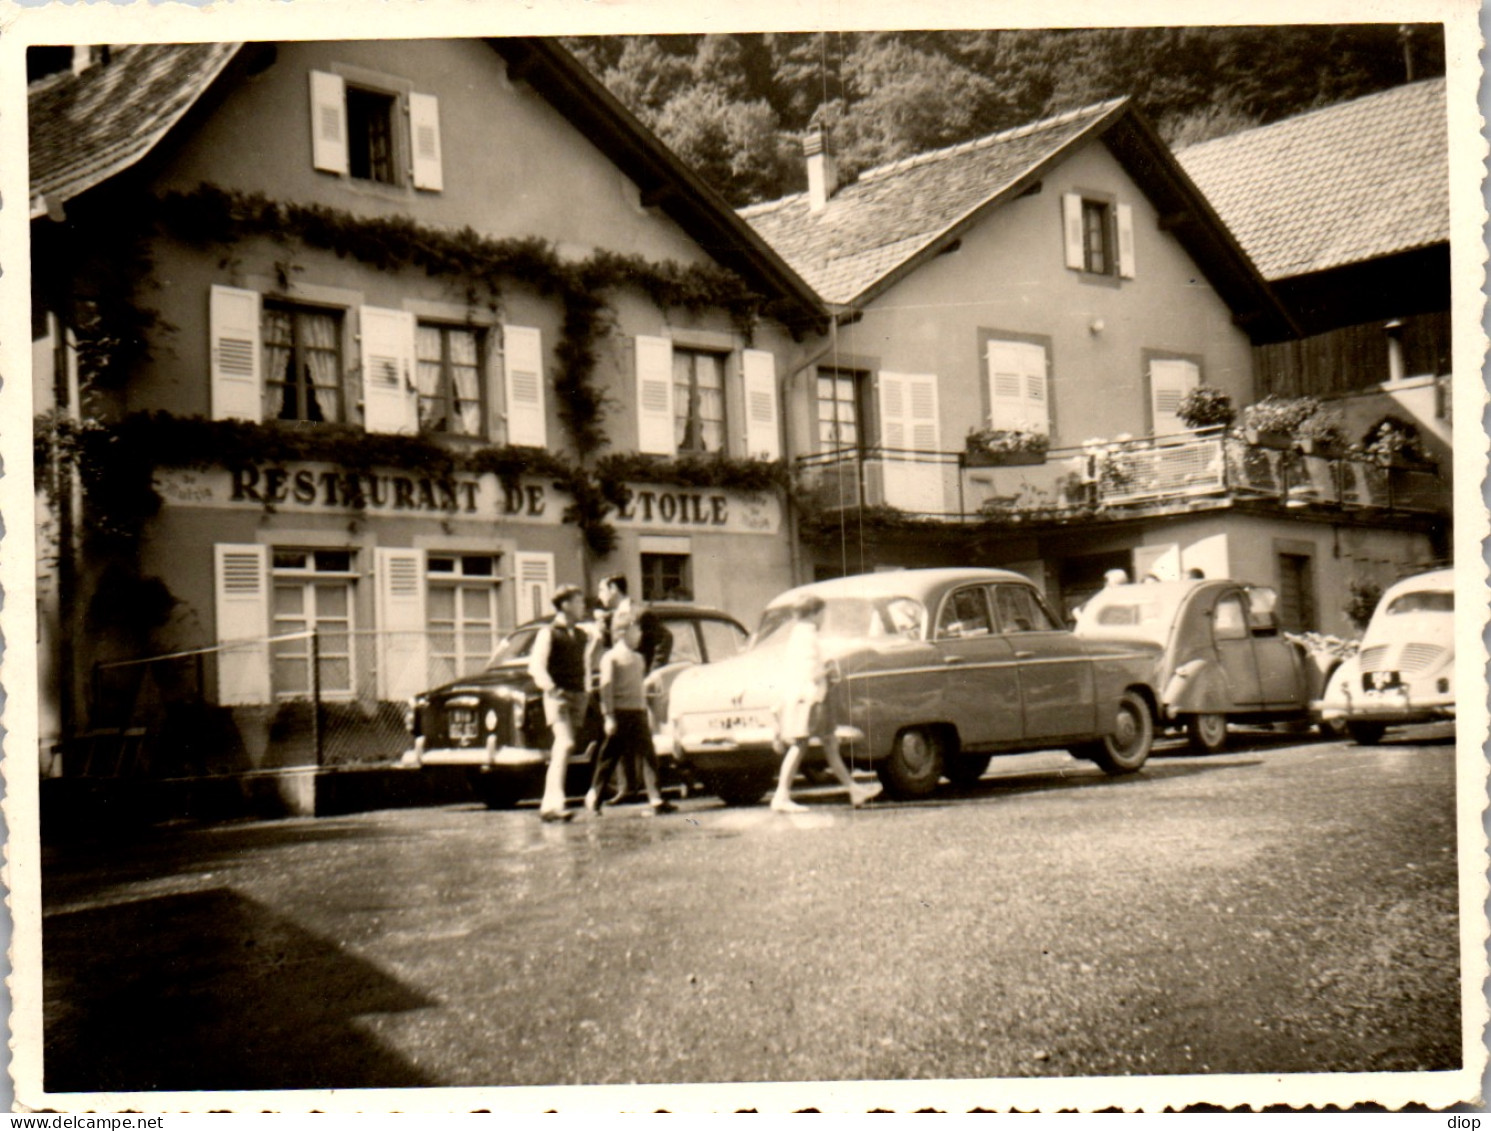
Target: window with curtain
[[313, 592], [450, 386], [699, 400], [302, 363], [1097, 239], [840, 394], [461, 613]]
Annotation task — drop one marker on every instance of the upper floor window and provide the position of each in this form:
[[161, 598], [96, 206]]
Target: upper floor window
[[370, 135], [359, 131], [1098, 234], [450, 385], [1097, 244], [840, 412], [302, 363], [699, 401]]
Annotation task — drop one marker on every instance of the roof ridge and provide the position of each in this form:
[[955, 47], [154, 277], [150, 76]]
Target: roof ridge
[[1011, 134], [1303, 115]]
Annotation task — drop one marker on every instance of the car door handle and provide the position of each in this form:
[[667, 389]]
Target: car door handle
[[1024, 655], [952, 659]]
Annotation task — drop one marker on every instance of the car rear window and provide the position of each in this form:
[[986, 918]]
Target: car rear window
[[1422, 601]]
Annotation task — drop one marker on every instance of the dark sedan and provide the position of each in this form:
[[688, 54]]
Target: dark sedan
[[493, 721]]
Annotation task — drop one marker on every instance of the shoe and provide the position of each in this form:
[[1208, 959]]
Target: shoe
[[860, 796], [665, 807], [554, 815], [787, 806]]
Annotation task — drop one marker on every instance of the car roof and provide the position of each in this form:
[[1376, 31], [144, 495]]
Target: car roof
[[917, 583], [1434, 579], [662, 609]]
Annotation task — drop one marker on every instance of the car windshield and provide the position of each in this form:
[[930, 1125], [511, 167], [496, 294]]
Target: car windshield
[[850, 618], [1131, 612], [514, 647], [1422, 601]]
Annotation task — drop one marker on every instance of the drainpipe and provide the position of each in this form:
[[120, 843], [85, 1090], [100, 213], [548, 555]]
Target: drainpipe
[[785, 388]]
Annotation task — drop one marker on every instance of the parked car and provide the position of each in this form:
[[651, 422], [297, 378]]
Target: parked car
[[1222, 658], [1405, 670], [938, 670], [493, 721]]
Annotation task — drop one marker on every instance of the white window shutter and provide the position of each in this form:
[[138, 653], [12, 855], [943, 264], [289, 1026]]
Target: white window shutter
[[424, 138], [1126, 241], [328, 123], [523, 376], [909, 422], [655, 426], [762, 434], [534, 573], [1071, 228], [402, 665], [1018, 395], [237, 359], [1169, 381], [389, 395], [241, 580]]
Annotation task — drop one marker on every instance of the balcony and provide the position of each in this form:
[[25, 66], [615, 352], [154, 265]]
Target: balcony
[[1186, 471]]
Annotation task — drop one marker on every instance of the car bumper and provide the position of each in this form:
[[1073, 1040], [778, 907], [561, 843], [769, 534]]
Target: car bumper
[[1394, 705], [490, 756], [747, 741]]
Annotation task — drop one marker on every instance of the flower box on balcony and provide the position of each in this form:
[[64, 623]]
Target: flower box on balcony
[[982, 457], [1322, 449], [1268, 438]]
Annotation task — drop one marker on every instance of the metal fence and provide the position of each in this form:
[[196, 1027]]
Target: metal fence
[[313, 698]]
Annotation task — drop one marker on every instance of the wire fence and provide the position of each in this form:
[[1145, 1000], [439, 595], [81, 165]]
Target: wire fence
[[324, 697]]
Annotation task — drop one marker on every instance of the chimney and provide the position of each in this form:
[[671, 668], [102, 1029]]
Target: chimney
[[85, 57], [823, 169]]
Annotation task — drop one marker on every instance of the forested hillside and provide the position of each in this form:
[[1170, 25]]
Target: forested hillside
[[736, 106]]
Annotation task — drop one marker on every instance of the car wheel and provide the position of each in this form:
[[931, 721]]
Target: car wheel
[[965, 769], [1207, 732], [500, 791], [1366, 734], [1127, 748], [915, 764], [739, 787]]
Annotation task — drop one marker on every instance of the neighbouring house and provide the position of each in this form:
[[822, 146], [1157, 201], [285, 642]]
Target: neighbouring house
[[1046, 296], [347, 354], [1346, 212]]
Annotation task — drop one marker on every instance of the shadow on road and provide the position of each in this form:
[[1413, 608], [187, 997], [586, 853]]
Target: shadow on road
[[209, 991]]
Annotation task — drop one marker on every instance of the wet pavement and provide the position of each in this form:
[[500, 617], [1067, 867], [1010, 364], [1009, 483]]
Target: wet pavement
[[1283, 907]]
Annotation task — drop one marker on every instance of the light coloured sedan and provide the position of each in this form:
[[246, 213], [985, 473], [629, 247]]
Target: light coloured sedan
[[1405, 671], [937, 671]]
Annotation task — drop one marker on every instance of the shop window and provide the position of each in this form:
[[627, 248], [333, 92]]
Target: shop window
[[667, 577], [698, 401], [302, 363], [312, 591], [450, 380], [461, 612]]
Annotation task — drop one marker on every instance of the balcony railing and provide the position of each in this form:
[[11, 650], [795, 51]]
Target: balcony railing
[[1115, 476]]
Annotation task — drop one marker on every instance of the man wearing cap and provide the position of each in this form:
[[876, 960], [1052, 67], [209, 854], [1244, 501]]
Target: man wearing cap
[[557, 665]]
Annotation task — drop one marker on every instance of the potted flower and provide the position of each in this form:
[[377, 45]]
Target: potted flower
[[1205, 407], [1321, 434], [1274, 421], [1004, 447], [1394, 442]]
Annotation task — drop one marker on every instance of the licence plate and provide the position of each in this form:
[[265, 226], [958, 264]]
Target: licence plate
[[743, 720], [461, 724]]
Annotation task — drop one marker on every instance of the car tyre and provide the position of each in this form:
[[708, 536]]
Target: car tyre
[[739, 787], [500, 791], [1127, 749], [1207, 732], [1366, 734], [965, 769], [915, 764]]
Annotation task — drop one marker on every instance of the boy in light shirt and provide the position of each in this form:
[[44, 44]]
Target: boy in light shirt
[[624, 704]]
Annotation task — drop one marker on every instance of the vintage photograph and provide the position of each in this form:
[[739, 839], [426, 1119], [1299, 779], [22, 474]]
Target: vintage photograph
[[884, 566]]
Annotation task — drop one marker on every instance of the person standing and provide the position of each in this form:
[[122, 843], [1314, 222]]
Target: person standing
[[628, 728], [558, 665], [655, 647], [806, 711]]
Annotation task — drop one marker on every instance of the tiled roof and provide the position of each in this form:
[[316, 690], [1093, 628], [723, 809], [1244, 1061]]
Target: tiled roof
[[88, 127], [891, 212], [1351, 182]]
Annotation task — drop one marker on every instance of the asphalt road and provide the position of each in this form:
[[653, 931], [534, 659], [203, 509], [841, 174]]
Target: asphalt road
[[1279, 908]]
